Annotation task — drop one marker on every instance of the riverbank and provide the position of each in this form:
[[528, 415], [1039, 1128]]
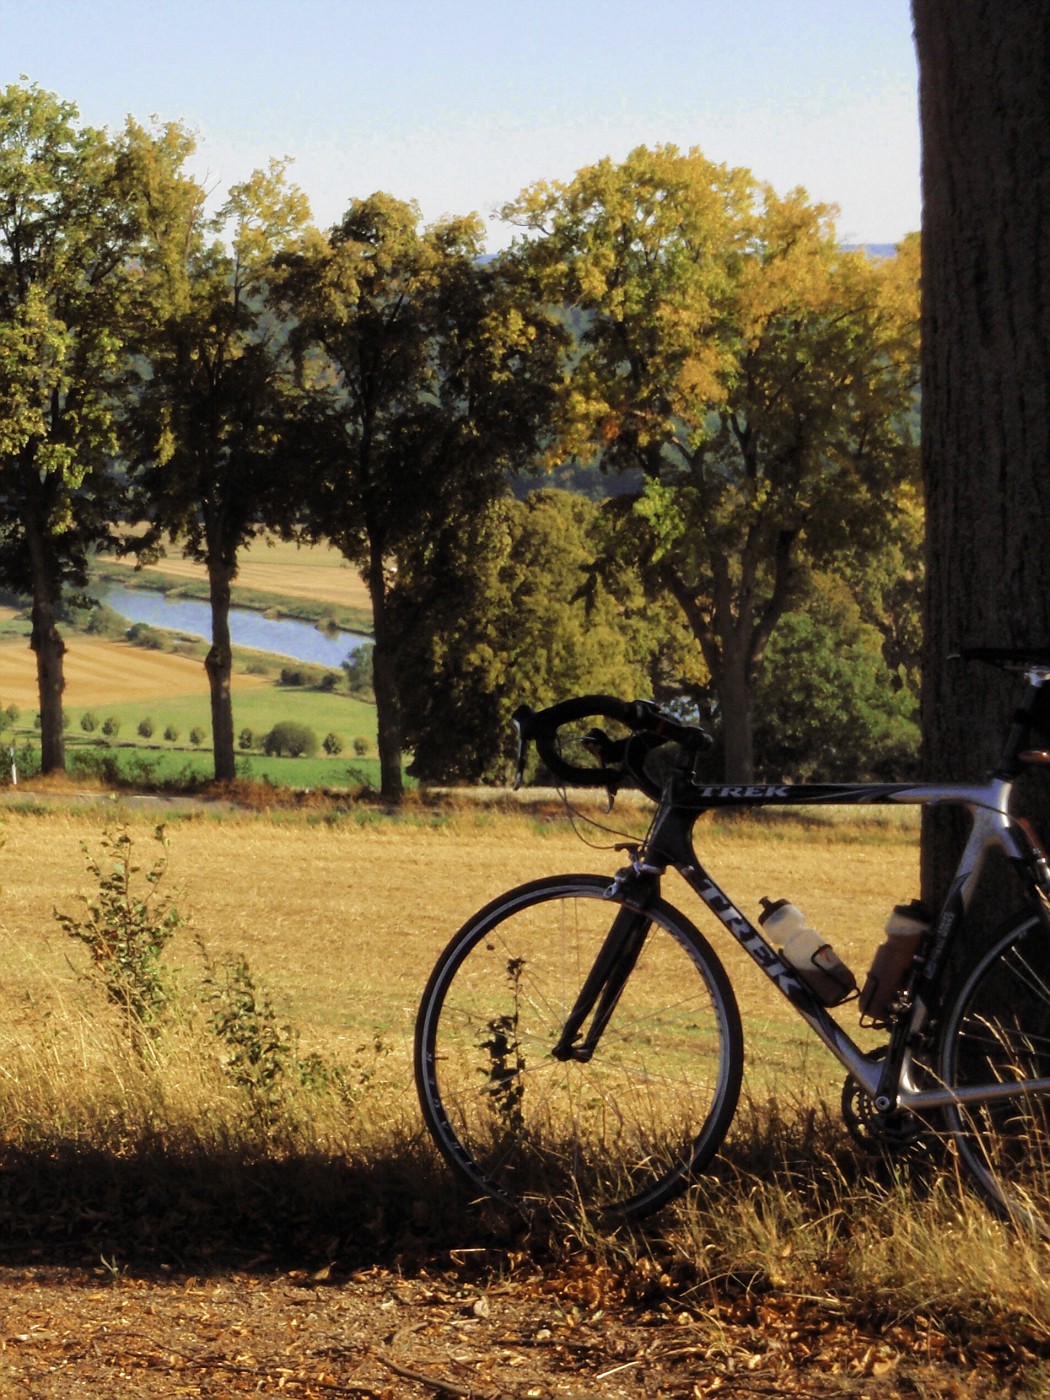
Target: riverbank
[[311, 585]]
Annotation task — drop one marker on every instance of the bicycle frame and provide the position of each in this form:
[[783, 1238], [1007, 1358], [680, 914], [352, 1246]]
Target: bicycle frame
[[887, 1080]]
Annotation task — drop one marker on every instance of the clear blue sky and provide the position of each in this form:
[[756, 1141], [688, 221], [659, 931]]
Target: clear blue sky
[[460, 104]]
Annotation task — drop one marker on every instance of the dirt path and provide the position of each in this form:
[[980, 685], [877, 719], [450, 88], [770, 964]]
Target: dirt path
[[387, 1332]]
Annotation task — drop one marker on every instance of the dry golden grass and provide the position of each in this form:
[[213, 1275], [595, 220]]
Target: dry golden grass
[[276, 566], [102, 672], [342, 922], [795, 1237]]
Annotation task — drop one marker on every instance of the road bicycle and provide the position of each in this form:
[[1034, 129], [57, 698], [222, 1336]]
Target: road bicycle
[[579, 1036]]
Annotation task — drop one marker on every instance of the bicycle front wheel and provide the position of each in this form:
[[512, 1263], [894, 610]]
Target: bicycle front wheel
[[998, 1032], [622, 1132]]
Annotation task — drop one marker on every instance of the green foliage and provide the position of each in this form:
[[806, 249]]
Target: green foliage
[[333, 743], [827, 706], [111, 726], [88, 722], [246, 738], [758, 377], [126, 925], [515, 614], [145, 728], [429, 375], [259, 1048], [69, 236], [262, 1055], [197, 735], [358, 669], [291, 737], [212, 403], [171, 733]]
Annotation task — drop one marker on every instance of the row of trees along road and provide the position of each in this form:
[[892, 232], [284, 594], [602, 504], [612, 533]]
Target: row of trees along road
[[379, 385]]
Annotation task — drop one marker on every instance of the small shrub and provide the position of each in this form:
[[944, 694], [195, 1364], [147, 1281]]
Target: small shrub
[[197, 736], [361, 746], [291, 675], [329, 681], [332, 743], [88, 722], [260, 1049], [171, 733], [111, 726], [246, 738], [146, 728], [292, 738], [141, 634], [125, 929], [358, 668], [13, 712]]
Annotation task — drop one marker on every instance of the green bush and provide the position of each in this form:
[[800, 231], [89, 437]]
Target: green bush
[[197, 735], [246, 738], [146, 728], [125, 927], [333, 743], [88, 722], [171, 733], [292, 738], [111, 726]]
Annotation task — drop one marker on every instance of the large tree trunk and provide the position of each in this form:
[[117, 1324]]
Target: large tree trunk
[[384, 684], [219, 666], [736, 693], [50, 650], [45, 639], [985, 110]]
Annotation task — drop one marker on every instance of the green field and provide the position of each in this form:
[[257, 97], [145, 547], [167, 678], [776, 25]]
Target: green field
[[258, 709]]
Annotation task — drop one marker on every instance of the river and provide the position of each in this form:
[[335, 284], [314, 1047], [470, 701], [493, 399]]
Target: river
[[284, 636]]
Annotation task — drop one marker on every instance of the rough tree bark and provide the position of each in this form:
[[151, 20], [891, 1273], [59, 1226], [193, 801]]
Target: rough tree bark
[[985, 114]]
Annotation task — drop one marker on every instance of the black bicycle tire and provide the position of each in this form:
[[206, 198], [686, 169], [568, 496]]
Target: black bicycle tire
[[998, 1026], [703, 1139]]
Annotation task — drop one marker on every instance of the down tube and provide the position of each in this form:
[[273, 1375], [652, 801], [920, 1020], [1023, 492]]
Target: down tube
[[845, 1050]]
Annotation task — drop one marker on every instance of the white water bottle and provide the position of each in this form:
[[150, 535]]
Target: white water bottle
[[889, 967], [808, 952]]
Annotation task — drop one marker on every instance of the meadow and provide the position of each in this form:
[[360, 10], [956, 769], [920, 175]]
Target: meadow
[[334, 917], [318, 928]]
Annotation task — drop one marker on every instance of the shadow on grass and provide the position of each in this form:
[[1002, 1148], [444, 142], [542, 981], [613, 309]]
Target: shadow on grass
[[205, 1210], [208, 1211]]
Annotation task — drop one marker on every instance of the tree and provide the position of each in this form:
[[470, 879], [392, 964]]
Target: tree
[[985, 114], [429, 382], [827, 708], [213, 401], [67, 232], [757, 375], [514, 615]]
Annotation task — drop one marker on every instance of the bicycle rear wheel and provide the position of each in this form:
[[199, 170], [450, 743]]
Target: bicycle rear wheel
[[998, 1032], [621, 1133]]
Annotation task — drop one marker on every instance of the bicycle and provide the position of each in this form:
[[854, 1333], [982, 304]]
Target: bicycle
[[580, 1037]]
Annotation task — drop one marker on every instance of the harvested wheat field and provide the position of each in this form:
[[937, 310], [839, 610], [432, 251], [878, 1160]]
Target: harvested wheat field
[[177, 1221], [317, 572], [99, 672]]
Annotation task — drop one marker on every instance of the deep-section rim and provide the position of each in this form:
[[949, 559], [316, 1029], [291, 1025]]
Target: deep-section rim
[[987, 1181], [705, 1142]]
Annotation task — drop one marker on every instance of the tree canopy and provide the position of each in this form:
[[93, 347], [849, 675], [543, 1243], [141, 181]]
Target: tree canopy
[[211, 411], [68, 229], [757, 375], [428, 380]]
